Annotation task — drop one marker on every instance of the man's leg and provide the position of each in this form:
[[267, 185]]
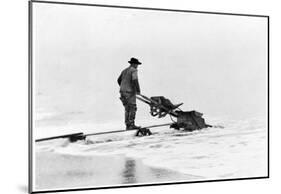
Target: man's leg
[[132, 115], [129, 103], [132, 110], [124, 100], [127, 117]]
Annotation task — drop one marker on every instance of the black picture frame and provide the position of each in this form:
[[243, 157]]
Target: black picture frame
[[30, 90]]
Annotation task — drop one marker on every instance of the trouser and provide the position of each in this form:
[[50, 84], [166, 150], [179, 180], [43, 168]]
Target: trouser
[[129, 102]]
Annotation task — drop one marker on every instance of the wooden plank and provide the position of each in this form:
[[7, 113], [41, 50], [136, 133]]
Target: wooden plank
[[109, 132], [122, 131], [57, 137]]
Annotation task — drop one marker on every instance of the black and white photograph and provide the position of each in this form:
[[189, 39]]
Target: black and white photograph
[[131, 96]]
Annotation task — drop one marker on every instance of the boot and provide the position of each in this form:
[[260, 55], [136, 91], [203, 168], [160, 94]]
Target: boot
[[128, 127], [132, 127]]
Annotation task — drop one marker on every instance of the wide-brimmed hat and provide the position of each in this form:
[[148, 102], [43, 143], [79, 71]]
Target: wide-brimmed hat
[[134, 61]]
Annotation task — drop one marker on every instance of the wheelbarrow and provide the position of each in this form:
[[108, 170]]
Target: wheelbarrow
[[186, 120]]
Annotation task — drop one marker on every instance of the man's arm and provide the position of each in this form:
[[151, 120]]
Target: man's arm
[[135, 82], [137, 86]]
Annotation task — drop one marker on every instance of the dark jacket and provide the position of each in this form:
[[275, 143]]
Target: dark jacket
[[128, 80]]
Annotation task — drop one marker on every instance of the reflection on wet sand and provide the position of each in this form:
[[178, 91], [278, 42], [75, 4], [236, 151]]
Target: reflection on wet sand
[[129, 172], [136, 172], [57, 171]]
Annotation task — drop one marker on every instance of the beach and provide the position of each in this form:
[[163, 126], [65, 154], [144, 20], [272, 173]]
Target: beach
[[237, 150]]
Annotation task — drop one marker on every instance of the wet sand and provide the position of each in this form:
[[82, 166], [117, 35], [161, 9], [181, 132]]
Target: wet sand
[[61, 171]]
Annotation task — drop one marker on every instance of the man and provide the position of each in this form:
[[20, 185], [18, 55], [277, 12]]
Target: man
[[129, 88]]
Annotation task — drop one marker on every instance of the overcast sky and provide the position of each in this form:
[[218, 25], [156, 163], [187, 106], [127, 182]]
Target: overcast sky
[[216, 64]]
